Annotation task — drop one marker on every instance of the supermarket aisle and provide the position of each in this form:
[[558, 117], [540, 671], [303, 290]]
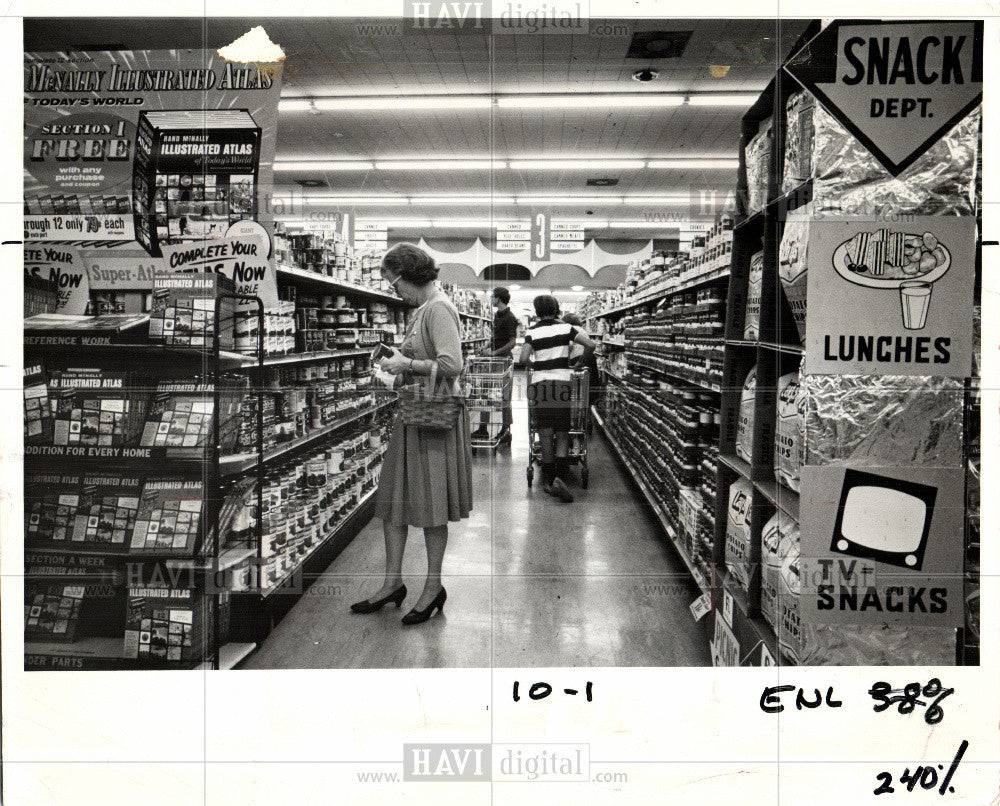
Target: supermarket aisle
[[531, 582]]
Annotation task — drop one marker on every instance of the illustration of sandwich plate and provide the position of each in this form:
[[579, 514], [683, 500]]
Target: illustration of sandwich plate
[[896, 260]]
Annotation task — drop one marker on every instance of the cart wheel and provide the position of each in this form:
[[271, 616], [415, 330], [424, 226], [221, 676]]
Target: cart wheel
[[531, 475], [474, 449], [584, 478]]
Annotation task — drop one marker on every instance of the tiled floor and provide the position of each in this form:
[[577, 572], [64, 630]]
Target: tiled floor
[[531, 582]]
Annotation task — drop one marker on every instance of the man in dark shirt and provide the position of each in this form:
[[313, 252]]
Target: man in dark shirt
[[501, 346]]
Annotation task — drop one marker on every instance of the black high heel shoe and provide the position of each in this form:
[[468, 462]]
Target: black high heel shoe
[[420, 616], [366, 606]]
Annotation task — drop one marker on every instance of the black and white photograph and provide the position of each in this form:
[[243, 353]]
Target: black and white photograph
[[478, 365], [520, 365]]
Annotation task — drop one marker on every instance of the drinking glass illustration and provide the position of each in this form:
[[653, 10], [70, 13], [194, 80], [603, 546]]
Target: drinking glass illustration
[[915, 299]]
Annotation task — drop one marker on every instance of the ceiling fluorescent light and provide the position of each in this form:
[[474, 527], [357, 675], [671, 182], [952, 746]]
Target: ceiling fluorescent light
[[665, 200], [578, 164], [684, 164], [294, 105], [584, 101], [392, 103], [722, 99], [445, 200], [569, 200], [439, 165], [352, 201], [324, 165]]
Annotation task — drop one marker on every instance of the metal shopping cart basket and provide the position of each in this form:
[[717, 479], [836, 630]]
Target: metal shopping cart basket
[[579, 419], [487, 382]]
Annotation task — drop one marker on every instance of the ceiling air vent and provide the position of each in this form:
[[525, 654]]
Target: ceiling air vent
[[601, 182], [311, 183], [658, 44]]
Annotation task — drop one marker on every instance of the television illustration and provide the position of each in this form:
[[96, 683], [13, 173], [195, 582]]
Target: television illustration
[[884, 519]]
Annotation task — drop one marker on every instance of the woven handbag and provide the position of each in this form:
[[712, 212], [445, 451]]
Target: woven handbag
[[423, 408]]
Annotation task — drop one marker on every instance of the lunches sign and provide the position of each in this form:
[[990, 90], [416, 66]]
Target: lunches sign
[[896, 86], [892, 299]]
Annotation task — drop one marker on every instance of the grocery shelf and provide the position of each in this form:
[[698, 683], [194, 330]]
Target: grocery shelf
[[292, 273], [788, 349], [241, 462], [228, 558], [683, 285], [653, 503], [142, 353], [476, 340], [276, 585], [751, 221], [475, 316], [229, 656], [708, 386], [737, 464], [321, 355], [781, 496]]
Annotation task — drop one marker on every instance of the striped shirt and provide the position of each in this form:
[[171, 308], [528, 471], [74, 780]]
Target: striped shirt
[[551, 341]]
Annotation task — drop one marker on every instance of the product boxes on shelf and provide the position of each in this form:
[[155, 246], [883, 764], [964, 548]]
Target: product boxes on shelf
[[789, 431], [180, 414], [165, 624], [781, 583], [37, 412], [738, 533], [168, 518], [52, 611], [194, 174], [96, 407], [744, 428], [184, 310], [95, 512]]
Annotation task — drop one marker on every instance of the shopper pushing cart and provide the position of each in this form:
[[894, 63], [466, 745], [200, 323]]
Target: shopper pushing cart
[[501, 346], [553, 388]]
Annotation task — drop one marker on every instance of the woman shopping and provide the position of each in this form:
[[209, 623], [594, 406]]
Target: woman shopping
[[548, 344], [426, 473]]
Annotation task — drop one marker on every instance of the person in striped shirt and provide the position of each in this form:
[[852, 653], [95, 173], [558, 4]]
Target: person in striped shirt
[[548, 344]]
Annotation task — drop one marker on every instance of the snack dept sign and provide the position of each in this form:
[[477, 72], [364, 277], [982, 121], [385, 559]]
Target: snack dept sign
[[898, 86]]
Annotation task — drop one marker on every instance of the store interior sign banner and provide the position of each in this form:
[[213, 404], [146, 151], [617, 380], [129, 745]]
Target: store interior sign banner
[[83, 152], [882, 545], [897, 86], [892, 298], [62, 265], [242, 256]]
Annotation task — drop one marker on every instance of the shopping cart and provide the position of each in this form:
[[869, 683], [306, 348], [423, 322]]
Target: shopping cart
[[579, 419], [487, 383]]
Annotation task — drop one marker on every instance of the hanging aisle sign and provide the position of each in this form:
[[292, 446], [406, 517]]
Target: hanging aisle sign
[[897, 297], [540, 236], [897, 86]]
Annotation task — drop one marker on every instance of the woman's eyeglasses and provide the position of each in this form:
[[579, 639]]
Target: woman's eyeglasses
[[393, 283]]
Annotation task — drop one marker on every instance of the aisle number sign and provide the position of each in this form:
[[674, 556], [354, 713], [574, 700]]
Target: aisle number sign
[[540, 235], [897, 86]]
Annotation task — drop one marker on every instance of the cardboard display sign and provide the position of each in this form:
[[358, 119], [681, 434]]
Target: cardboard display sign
[[896, 86], [890, 298], [62, 265], [242, 256], [882, 545]]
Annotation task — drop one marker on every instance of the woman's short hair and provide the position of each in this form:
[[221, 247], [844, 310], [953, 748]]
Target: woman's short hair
[[546, 306], [411, 263]]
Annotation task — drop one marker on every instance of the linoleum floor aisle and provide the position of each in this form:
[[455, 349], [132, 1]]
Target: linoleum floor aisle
[[531, 582]]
